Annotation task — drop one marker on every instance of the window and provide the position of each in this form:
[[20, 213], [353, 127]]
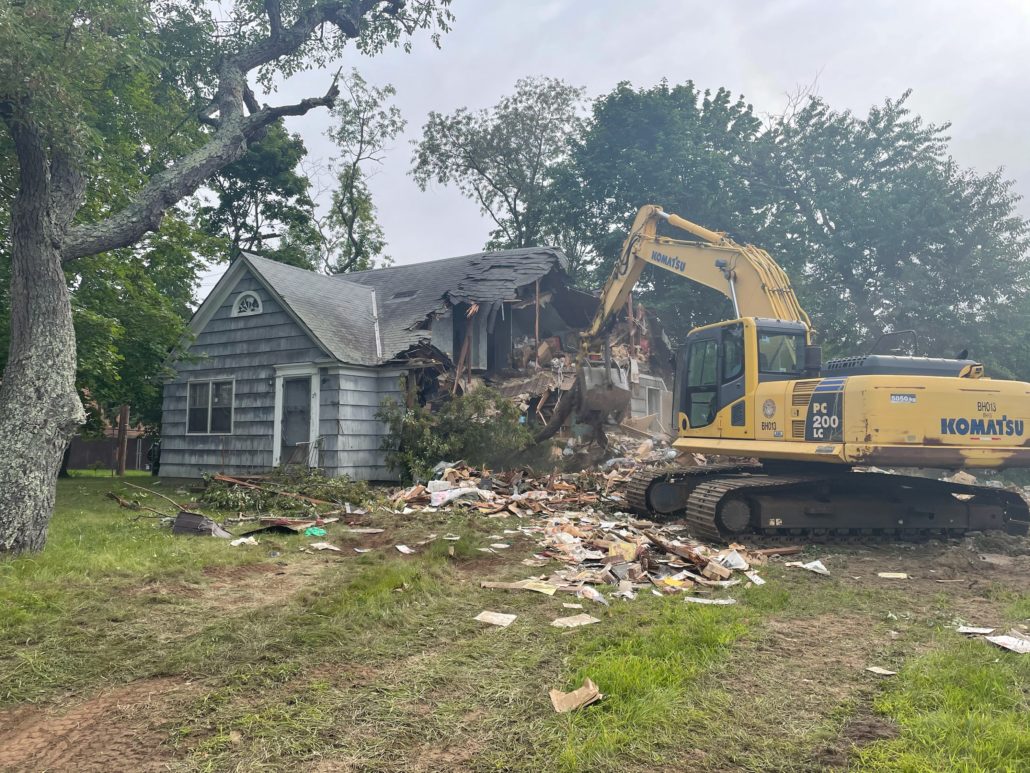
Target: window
[[701, 370], [246, 304], [209, 409], [733, 353], [701, 390], [781, 352]]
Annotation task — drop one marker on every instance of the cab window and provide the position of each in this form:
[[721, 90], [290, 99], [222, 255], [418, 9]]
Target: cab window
[[733, 353], [702, 380], [780, 352]]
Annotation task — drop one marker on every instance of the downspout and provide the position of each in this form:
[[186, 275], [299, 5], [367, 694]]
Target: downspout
[[375, 328]]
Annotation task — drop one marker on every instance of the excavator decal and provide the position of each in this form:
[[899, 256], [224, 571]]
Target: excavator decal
[[826, 411]]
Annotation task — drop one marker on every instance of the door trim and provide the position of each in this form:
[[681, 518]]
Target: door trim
[[296, 370]]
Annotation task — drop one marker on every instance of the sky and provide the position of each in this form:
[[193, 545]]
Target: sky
[[966, 63]]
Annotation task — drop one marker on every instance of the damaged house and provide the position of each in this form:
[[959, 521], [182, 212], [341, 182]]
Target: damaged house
[[288, 366]]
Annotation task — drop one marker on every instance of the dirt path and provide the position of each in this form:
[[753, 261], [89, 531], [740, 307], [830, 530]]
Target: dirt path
[[124, 728]]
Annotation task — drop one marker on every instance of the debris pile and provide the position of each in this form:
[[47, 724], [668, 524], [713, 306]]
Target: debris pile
[[511, 493]]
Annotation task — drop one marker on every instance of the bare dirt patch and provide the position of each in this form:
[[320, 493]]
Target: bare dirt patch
[[123, 728]]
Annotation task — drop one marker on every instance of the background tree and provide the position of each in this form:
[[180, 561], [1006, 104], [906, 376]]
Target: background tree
[[364, 125], [263, 203], [689, 151], [153, 92], [884, 231], [504, 158]]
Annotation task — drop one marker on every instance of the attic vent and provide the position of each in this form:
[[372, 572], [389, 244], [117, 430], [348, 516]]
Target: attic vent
[[246, 304], [403, 294]]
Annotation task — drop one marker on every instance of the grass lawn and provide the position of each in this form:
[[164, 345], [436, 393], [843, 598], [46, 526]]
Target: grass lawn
[[125, 648]]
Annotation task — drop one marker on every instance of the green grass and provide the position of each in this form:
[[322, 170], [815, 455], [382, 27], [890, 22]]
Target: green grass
[[377, 660], [74, 612], [962, 707]]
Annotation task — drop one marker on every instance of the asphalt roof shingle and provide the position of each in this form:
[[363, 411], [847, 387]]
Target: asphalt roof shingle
[[339, 310]]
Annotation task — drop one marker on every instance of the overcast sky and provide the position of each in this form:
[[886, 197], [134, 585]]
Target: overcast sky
[[967, 63]]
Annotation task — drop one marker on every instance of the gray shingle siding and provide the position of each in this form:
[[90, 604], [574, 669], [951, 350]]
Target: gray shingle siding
[[228, 348]]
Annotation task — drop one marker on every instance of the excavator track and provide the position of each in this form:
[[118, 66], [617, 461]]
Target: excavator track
[[728, 501]]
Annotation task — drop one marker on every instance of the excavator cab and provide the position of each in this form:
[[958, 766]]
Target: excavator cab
[[719, 365]]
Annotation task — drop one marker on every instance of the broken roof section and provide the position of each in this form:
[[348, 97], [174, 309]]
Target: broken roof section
[[407, 296]]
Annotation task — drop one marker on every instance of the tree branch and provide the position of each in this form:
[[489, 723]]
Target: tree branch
[[233, 130]]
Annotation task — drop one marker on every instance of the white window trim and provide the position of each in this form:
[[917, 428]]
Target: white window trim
[[236, 304], [297, 370], [232, 405]]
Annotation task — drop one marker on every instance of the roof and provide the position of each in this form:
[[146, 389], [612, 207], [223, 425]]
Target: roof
[[407, 295], [338, 314], [369, 317]]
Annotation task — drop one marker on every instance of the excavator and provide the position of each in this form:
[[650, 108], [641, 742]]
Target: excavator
[[809, 440]]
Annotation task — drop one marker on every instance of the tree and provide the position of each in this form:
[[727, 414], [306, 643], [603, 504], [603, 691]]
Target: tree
[[352, 238], [263, 203], [503, 158], [884, 231], [686, 150], [158, 90]]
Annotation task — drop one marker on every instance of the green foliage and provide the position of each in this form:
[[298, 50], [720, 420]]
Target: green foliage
[[263, 202], [364, 124], [883, 230], [503, 158], [682, 148], [293, 480], [877, 226], [480, 427]]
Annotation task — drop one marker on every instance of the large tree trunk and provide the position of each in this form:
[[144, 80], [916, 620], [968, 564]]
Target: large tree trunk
[[39, 407]]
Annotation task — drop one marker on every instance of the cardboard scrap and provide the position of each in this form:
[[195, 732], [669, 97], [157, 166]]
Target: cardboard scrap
[[881, 671], [533, 585], [323, 546], [496, 618], [572, 606], [574, 621], [703, 600], [565, 702], [973, 630]]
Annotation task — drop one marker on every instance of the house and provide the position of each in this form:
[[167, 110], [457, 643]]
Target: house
[[288, 366]]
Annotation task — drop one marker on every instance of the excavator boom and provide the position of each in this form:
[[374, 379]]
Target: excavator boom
[[747, 275]]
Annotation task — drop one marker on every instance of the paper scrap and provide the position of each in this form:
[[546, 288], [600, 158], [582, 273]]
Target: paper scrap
[[243, 541], [703, 600], [881, 671], [892, 575], [587, 592], [565, 702], [1014, 641], [972, 629], [575, 621], [362, 550], [499, 545], [496, 618], [324, 546], [404, 549], [572, 606], [753, 576], [362, 530], [812, 566]]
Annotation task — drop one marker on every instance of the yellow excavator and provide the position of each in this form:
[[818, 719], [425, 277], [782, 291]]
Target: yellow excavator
[[755, 387]]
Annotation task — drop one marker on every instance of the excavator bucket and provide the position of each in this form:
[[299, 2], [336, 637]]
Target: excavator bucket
[[605, 390]]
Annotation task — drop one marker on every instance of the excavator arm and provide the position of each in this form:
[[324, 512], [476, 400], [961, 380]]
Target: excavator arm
[[747, 275]]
